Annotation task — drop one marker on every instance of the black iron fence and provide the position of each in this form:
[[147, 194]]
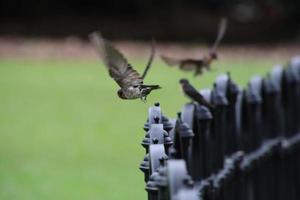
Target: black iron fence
[[247, 148]]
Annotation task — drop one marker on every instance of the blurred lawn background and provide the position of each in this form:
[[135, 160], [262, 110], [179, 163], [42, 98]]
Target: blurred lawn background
[[64, 134]]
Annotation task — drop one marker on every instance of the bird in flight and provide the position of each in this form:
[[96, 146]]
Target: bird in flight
[[130, 81], [193, 94], [197, 65]]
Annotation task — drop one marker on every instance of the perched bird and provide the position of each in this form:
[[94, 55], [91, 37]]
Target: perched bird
[[129, 80], [193, 94], [197, 65]]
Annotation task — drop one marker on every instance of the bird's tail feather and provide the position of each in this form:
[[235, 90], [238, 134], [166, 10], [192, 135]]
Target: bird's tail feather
[[152, 87]]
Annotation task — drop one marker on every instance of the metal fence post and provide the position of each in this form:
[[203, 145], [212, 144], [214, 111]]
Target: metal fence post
[[177, 174], [201, 161], [220, 101], [184, 135], [295, 65], [232, 93], [273, 119], [156, 152]]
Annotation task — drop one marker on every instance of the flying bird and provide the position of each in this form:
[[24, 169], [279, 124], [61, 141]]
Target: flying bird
[[193, 94], [130, 81], [197, 65]]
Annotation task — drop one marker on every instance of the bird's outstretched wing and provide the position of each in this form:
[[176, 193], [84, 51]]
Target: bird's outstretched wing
[[171, 61], [150, 59], [221, 33], [119, 69]]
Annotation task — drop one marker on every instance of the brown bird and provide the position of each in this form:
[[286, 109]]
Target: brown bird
[[197, 65], [129, 80], [193, 94]]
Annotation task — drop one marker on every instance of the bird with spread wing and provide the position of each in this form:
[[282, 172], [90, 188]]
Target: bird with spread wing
[[197, 65], [189, 91], [130, 81]]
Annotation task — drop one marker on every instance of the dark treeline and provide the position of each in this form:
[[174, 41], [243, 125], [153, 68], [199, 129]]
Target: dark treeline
[[186, 20]]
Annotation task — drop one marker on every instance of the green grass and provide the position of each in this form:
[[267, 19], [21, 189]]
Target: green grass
[[64, 134]]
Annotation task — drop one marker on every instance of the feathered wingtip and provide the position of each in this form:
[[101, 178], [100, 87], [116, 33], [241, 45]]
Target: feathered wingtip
[[96, 37], [220, 35], [169, 61], [97, 40], [152, 54]]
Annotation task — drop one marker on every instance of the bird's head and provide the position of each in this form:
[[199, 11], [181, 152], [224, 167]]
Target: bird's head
[[183, 81], [121, 94], [213, 56]]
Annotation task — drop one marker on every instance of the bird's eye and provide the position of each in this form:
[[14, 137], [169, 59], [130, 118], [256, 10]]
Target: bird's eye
[[135, 86]]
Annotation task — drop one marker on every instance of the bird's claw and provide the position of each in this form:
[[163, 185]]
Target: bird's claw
[[144, 99]]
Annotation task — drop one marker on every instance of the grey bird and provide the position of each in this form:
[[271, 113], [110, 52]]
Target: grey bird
[[129, 80], [197, 65], [193, 94]]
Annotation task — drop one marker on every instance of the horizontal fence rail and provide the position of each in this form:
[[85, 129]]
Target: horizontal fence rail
[[246, 148]]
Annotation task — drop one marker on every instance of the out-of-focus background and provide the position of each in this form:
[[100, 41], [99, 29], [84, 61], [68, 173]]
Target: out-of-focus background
[[64, 134], [189, 20]]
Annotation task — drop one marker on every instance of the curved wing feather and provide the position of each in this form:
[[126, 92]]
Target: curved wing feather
[[119, 69], [150, 59], [221, 33]]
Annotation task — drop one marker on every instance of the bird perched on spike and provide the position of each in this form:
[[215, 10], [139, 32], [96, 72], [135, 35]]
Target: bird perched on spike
[[197, 65], [129, 80], [193, 94]]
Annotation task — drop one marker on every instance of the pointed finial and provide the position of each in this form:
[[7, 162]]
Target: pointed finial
[[228, 74], [179, 115]]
